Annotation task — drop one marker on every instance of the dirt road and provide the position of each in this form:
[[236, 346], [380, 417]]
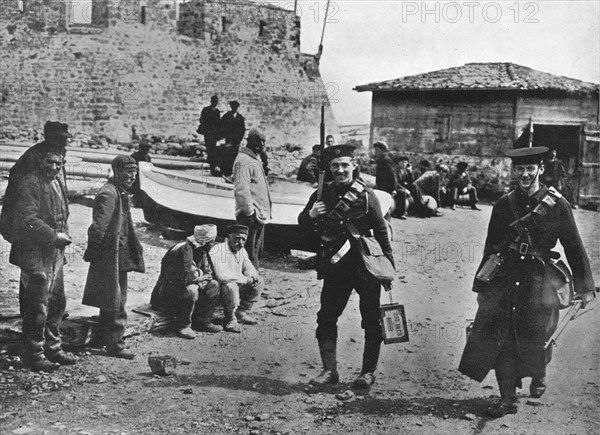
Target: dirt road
[[256, 382]]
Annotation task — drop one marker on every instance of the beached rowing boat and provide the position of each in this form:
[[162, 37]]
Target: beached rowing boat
[[181, 200]]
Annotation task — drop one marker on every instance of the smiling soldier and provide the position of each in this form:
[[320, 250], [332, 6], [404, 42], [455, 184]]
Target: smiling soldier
[[516, 316], [347, 209]]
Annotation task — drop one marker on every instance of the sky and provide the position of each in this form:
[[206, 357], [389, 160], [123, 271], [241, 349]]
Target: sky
[[368, 41]]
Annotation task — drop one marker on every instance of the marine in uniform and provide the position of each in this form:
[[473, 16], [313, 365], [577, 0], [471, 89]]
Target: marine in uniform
[[345, 207], [513, 323]]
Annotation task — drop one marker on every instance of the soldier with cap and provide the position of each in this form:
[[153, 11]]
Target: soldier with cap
[[252, 193], [56, 135], [514, 320], [186, 288], [239, 282], [346, 210], [210, 127], [309, 167], [113, 250], [39, 237]]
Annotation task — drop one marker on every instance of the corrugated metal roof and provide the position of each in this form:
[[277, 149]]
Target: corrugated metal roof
[[483, 76]]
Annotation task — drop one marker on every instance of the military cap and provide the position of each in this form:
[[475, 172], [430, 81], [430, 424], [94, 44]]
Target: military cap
[[335, 151], [56, 130], [315, 147], [527, 156], [214, 98], [234, 103], [237, 229], [381, 145], [144, 143], [123, 162]]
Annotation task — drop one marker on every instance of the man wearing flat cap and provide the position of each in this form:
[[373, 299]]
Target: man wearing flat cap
[[186, 288], [233, 129], [113, 250], [39, 238], [252, 194], [56, 135], [346, 210], [239, 282], [518, 309]]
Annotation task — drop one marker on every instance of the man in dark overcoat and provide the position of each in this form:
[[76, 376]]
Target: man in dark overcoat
[[359, 209], [56, 135], [385, 172], [233, 128], [210, 124], [38, 248], [113, 250], [512, 324], [186, 288]]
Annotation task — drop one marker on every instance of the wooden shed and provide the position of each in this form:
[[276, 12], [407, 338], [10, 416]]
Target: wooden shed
[[481, 109]]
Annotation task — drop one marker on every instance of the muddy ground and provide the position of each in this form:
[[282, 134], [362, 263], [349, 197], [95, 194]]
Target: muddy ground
[[256, 382]]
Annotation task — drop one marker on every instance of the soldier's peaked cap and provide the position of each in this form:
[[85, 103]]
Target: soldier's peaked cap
[[527, 156], [335, 151]]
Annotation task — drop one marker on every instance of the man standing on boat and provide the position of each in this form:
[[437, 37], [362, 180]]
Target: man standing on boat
[[252, 195], [210, 122], [233, 129]]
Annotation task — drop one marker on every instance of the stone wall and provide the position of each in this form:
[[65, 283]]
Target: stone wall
[[104, 80]]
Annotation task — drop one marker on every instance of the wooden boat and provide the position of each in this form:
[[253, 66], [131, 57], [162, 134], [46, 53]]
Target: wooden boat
[[181, 200]]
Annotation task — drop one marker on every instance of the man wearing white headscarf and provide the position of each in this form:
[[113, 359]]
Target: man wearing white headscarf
[[186, 287]]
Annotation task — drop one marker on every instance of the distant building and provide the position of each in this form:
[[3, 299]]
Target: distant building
[[481, 109]]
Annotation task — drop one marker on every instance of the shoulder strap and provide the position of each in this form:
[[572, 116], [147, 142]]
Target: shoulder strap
[[512, 202]]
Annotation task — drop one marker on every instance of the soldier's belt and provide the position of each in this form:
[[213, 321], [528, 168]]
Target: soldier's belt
[[524, 248]]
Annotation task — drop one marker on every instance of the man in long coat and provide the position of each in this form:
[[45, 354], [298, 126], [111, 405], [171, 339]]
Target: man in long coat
[[252, 194], [38, 248], [512, 324], [339, 265], [186, 288], [210, 123], [113, 251], [233, 128]]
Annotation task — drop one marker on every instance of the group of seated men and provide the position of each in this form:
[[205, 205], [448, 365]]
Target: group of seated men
[[422, 190], [198, 274]]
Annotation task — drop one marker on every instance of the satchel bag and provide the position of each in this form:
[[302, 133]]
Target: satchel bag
[[374, 265], [557, 286]]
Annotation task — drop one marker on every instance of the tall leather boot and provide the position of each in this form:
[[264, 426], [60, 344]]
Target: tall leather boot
[[507, 381], [329, 375], [369, 365]]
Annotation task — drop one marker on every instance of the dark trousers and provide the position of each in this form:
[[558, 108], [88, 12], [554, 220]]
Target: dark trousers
[[256, 237], [401, 199], [227, 154], [112, 323], [337, 287], [195, 301], [210, 143], [42, 304]]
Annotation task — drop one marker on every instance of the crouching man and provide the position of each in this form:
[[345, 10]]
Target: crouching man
[[186, 288], [38, 248], [239, 282]]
